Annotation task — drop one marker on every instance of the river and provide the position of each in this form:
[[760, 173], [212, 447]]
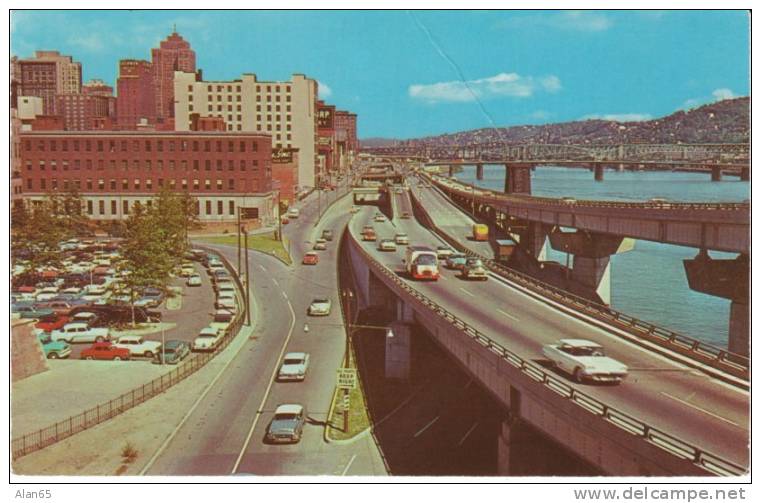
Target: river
[[648, 282]]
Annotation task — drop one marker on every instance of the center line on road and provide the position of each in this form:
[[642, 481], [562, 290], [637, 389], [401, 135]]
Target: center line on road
[[275, 281], [508, 315], [262, 268], [420, 432], [285, 295], [465, 291], [267, 391], [688, 404], [348, 465], [467, 434]]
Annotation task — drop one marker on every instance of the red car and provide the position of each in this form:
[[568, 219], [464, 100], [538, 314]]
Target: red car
[[310, 258], [52, 323], [105, 351]]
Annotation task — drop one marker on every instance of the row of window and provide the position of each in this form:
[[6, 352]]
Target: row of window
[[229, 88], [128, 205], [183, 165], [220, 108], [137, 184], [146, 145]]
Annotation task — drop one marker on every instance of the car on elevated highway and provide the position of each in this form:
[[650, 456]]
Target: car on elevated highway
[[474, 269], [401, 238], [585, 361], [287, 425], [405, 215], [386, 245], [442, 252], [320, 244], [294, 367], [320, 307], [456, 261], [379, 217]]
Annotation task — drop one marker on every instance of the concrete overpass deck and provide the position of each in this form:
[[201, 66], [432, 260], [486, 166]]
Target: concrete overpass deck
[[659, 392]]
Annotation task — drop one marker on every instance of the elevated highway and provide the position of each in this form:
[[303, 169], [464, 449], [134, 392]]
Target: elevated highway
[[654, 423]]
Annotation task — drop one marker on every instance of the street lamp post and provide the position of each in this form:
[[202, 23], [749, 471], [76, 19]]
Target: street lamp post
[[348, 295], [248, 279], [238, 240], [279, 219]]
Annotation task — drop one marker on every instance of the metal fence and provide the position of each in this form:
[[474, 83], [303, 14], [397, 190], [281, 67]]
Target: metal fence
[[61, 430], [704, 353], [699, 457]]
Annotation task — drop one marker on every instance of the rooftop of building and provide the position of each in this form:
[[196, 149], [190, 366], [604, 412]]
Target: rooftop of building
[[133, 133]]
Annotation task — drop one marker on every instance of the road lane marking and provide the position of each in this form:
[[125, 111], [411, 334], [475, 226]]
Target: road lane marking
[[508, 315], [465, 291], [348, 465], [420, 432], [262, 268], [267, 391], [275, 281], [699, 408], [285, 295], [467, 434]]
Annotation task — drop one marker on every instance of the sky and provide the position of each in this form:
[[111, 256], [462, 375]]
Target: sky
[[410, 74]]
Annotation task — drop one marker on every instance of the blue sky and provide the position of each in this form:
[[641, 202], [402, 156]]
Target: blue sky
[[410, 74]]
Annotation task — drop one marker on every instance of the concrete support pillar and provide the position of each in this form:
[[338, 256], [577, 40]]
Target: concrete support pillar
[[479, 171], [398, 346], [745, 174], [534, 240], [599, 172], [715, 174], [404, 312], [518, 179], [730, 279], [591, 257]]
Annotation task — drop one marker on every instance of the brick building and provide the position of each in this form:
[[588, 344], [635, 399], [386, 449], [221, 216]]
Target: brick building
[[113, 170], [45, 75], [135, 99], [285, 173], [173, 54], [80, 112], [326, 137]]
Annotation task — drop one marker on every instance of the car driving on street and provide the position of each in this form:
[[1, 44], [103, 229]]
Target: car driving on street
[[294, 367], [584, 360], [320, 307], [287, 425]]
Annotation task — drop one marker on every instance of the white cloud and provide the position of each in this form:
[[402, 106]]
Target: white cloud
[[590, 21], [500, 85], [619, 117], [91, 42], [722, 94], [323, 90]]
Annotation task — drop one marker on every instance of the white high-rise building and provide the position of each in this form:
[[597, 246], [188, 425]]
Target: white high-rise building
[[284, 110]]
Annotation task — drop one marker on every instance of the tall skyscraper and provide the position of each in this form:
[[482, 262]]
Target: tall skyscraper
[[47, 74], [173, 54], [135, 98]]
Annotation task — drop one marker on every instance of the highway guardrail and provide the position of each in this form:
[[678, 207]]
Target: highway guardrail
[[721, 359], [699, 457]]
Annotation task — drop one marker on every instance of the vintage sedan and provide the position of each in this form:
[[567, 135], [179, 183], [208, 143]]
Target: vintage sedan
[[584, 360], [456, 261], [386, 245], [474, 270], [294, 367], [287, 425], [172, 352], [105, 351], [320, 307], [310, 258]]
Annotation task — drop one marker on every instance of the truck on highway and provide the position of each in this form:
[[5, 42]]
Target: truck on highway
[[421, 263], [480, 232]]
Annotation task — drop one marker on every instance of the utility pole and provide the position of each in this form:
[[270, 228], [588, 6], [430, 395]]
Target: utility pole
[[248, 282], [279, 219], [350, 327], [238, 241]]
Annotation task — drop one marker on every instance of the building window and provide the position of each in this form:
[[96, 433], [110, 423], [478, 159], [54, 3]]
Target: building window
[[125, 207], [148, 164], [148, 184], [184, 184], [112, 184], [89, 207], [137, 184], [125, 184], [231, 207], [208, 207], [29, 184], [53, 145], [89, 184], [161, 183], [147, 145], [219, 164], [231, 184], [207, 184], [219, 184], [220, 207], [113, 207], [207, 165], [172, 184], [53, 166], [101, 207], [196, 184]]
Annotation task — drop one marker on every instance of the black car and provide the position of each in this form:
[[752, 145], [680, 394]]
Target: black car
[[172, 351]]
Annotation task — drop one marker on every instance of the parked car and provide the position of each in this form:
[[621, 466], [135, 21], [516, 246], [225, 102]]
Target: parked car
[[207, 340], [172, 352], [52, 322], [327, 234], [320, 244], [30, 311], [53, 349], [294, 367], [223, 316], [310, 258], [401, 238], [104, 351], [114, 314], [138, 346], [456, 261], [386, 245], [194, 280], [320, 307], [584, 360], [287, 425], [80, 332]]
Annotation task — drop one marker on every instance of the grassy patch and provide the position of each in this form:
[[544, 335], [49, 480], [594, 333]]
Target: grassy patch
[[264, 243], [359, 420]]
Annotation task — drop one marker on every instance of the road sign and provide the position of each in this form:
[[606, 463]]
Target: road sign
[[346, 378]]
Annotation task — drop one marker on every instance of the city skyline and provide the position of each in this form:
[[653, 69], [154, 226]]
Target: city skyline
[[412, 74]]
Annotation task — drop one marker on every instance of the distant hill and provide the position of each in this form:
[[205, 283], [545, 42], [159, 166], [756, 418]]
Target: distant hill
[[726, 121]]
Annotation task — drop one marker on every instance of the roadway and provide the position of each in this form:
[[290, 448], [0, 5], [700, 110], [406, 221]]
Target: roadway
[[224, 433], [658, 391]]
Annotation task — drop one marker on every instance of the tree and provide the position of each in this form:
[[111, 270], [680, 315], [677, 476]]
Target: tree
[[38, 230], [71, 208]]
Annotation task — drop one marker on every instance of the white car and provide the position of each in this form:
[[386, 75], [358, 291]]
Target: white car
[[585, 360], [293, 213], [208, 339], [194, 280], [401, 239], [386, 245], [379, 217], [80, 332], [442, 252], [294, 367], [320, 307], [320, 244], [138, 346]]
